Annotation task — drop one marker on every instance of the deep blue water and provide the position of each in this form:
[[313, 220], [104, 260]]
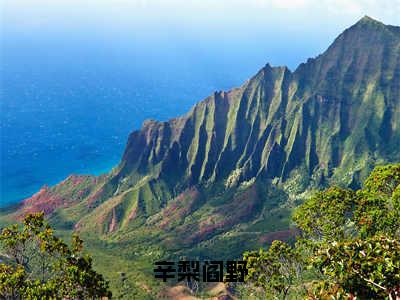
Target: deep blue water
[[69, 101]]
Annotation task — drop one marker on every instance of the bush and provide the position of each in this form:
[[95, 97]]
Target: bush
[[39, 265]]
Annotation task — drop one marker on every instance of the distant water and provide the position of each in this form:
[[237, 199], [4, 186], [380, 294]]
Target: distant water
[[69, 103]]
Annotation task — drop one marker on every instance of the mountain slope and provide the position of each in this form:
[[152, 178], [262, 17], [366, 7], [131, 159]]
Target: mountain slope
[[338, 107], [230, 170]]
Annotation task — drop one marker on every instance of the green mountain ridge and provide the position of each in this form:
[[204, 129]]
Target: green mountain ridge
[[224, 177]]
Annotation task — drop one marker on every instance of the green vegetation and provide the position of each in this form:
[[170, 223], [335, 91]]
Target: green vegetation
[[275, 271], [349, 247], [38, 265]]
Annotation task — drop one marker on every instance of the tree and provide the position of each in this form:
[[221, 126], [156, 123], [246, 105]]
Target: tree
[[378, 203], [275, 270], [327, 215], [350, 243], [365, 264], [39, 265], [363, 268]]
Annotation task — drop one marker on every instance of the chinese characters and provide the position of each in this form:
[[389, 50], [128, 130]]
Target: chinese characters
[[207, 271]]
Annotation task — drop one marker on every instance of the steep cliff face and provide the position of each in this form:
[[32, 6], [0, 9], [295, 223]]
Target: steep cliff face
[[239, 155], [338, 112]]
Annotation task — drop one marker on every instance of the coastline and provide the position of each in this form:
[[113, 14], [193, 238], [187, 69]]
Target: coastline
[[13, 204]]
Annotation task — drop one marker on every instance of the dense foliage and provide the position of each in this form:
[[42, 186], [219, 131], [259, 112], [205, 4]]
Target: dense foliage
[[367, 268], [38, 265], [275, 270], [350, 245]]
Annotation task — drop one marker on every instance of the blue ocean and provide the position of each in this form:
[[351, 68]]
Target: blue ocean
[[70, 99]]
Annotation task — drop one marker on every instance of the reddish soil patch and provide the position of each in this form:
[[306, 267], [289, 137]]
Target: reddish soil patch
[[179, 207], [283, 235], [49, 199], [241, 207]]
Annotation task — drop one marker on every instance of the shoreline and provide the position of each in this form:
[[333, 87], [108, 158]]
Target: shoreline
[[13, 204]]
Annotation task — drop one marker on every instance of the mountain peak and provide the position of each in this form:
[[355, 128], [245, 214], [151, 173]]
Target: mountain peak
[[367, 20]]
